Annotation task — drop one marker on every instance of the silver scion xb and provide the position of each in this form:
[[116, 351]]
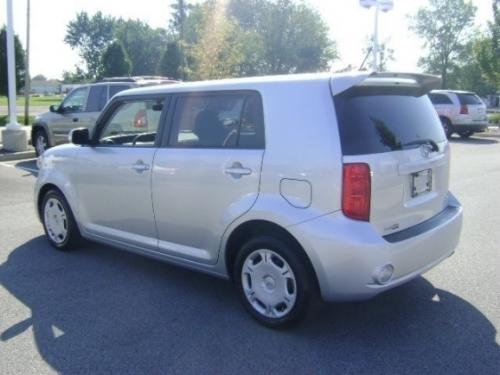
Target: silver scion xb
[[286, 185]]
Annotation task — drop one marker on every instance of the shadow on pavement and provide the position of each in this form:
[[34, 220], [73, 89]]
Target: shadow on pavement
[[28, 166], [474, 141], [100, 310]]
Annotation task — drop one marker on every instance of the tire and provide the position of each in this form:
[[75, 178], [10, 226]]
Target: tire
[[40, 142], [58, 222], [273, 280], [465, 134], [447, 127]]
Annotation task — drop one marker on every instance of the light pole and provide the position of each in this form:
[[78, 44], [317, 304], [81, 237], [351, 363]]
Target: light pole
[[379, 5], [14, 138]]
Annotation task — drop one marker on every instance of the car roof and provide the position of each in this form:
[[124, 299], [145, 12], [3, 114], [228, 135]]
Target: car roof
[[338, 82]]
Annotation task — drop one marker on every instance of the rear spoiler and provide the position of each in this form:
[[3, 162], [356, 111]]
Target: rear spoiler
[[412, 83]]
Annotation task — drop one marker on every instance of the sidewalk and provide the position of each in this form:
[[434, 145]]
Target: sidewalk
[[7, 155]]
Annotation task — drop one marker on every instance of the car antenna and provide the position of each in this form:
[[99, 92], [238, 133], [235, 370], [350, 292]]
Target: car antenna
[[366, 58]]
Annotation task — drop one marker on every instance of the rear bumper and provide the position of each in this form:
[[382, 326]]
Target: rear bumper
[[347, 254]]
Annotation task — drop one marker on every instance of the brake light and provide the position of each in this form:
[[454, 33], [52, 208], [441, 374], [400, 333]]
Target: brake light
[[464, 110], [356, 191]]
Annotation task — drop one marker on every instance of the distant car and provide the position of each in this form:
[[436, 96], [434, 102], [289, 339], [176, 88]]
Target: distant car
[[80, 108], [461, 112]]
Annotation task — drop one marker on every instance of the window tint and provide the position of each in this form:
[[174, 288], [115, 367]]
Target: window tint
[[98, 97], [114, 89], [75, 101], [466, 99], [374, 123], [440, 99], [133, 124], [218, 120]]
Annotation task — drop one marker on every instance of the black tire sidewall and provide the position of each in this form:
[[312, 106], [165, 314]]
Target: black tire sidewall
[[447, 127], [295, 260], [73, 233]]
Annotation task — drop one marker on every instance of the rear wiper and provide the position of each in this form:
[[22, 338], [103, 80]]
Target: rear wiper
[[419, 142]]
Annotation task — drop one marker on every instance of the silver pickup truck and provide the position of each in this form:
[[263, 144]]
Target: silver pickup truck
[[81, 108]]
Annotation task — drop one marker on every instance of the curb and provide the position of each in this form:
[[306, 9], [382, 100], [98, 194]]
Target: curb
[[9, 156]]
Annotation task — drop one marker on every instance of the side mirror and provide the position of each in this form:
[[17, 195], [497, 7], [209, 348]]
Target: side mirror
[[80, 136], [54, 108]]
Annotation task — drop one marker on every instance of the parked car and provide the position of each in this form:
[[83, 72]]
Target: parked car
[[286, 185], [80, 108], [460, 112]]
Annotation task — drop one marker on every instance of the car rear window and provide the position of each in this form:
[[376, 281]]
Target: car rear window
[[439, 99], [469, 99], [371, 122]]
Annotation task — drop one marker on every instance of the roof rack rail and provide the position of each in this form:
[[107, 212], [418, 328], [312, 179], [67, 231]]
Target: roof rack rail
[[137, 79]]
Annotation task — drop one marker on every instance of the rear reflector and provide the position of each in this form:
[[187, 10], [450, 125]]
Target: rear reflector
[[464, 110], [356, 191]]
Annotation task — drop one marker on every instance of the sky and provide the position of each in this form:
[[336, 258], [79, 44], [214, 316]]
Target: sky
[[349, 24]]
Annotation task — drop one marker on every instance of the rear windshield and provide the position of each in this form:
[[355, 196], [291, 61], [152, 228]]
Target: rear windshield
[[373, 123], [466, 99]]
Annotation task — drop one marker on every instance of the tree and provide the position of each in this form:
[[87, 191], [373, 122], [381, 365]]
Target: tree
[[19, 56], [78, 76], [170, 64], [39, 77], [115, 61], [487, 49], [445, 26], [143, 44], [91, 36]]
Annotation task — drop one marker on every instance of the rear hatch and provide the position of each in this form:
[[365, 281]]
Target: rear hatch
[[471, 105], [388, 122]]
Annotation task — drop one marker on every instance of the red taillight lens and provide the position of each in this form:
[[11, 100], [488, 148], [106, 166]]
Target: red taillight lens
[[356, 191], [464, 110]]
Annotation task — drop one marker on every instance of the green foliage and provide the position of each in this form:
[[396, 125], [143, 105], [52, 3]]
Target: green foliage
[[170, 64], [91, 36], [115, 61], [487, 49], [19, 56], [445, 26], [75, 77], [143, 44]]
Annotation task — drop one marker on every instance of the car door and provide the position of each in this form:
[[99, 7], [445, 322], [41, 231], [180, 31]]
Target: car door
[[68, 114], [207, 173], [114, 176]]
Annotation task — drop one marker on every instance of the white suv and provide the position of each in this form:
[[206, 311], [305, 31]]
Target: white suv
[[286, 185], [460, 112]]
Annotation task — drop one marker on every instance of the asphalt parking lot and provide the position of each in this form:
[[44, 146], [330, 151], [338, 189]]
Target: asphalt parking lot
[[100, 310]]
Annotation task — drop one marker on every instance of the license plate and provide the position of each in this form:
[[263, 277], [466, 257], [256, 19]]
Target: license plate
[[421, 182]]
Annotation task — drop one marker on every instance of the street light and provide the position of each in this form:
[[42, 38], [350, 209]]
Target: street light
[[384, 6]]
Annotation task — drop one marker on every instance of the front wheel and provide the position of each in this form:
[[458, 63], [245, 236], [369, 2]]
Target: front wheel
[[58, 222], [447, 127], [273, 280], [40, 142]]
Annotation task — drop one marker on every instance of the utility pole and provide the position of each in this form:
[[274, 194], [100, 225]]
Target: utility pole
[[27, 79], [14, 138]]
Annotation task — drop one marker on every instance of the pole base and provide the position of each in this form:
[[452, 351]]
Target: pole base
[[15, 140]]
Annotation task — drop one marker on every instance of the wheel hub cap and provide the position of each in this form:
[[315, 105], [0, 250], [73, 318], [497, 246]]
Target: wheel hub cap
[[56, 221], [269, 283]]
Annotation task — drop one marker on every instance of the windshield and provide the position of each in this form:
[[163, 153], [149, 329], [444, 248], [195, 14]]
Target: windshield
[[375, 123]]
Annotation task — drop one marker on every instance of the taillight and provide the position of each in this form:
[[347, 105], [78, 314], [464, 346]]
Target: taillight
[[356, 191], [464, 110]]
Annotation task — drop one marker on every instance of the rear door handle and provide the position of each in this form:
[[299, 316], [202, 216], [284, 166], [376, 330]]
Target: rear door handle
[[140, 166], [237, 170]]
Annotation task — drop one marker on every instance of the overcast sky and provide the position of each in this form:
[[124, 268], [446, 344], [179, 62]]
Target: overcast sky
[[348, 22]]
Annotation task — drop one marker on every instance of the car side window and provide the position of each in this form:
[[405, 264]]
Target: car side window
[[214, 120], [133, 124], [97, 98], [114, 89], [75, 101], [440, 99]]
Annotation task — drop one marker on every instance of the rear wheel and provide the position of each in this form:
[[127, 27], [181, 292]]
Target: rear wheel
[[274, 283], [465, 134], [58, 221], [447, 127], [40, 142]]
